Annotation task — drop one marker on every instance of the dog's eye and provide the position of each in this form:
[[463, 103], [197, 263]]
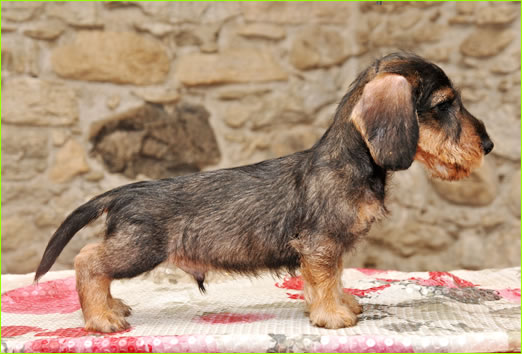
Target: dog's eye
[[444, 105]]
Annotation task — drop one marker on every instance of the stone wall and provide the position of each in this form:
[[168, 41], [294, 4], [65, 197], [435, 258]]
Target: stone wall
[[95, 95]]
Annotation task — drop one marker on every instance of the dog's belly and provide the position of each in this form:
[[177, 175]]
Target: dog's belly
[[236, 254]]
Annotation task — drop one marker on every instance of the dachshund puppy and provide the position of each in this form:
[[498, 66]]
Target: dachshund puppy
[[298, 211]]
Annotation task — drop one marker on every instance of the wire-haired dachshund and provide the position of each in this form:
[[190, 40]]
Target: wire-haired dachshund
[[298, 211]]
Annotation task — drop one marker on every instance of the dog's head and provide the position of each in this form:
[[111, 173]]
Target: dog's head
[[406, 108]]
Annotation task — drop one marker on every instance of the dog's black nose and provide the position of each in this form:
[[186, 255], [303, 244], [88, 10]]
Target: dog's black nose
[[487, 145]]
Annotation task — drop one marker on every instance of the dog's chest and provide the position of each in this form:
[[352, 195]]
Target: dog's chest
[[368, 210]]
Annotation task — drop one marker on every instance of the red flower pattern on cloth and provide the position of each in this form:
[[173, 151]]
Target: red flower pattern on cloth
[[443, 279], [76, 339], [75, 332], [368, 271], [296, 283], [227, 317], [13, 331], [291, 283], [512, 295], [364, 292], [55, 296]]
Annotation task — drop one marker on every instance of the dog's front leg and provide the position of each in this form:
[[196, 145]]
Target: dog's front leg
[[347, 298], [322, 275]]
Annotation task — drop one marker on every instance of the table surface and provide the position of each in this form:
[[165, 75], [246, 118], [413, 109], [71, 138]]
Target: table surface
[[458, 311]]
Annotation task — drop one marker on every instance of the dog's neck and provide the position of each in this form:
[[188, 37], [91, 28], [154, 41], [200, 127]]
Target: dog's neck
[[343, 148]]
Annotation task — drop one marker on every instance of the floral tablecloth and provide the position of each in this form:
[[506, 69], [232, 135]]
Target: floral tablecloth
[[458, 311]]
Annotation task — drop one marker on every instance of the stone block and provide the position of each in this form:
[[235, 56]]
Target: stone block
[[38, 102], [48, 30], [480, 189], [237, 65], [149, 141], [69, 162], [117, 57], [484, 43]]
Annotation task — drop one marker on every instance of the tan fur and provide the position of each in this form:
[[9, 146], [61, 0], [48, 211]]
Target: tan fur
[[446, 159], [101, 312], [442, 95], [322, 277], [369, 211]]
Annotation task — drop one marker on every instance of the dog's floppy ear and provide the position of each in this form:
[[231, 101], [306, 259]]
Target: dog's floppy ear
[[386, 118]]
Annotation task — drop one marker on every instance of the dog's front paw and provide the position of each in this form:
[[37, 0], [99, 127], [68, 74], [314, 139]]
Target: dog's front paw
[[350, 301], [106, 322], [332, 317]]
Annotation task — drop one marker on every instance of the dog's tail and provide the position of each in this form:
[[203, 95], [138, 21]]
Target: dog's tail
[[79, 218]]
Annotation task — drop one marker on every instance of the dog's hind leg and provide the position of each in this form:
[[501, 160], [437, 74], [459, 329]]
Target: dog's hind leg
[[101, 312]]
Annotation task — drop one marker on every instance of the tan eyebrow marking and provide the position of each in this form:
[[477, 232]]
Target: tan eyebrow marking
[[442, 95]]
